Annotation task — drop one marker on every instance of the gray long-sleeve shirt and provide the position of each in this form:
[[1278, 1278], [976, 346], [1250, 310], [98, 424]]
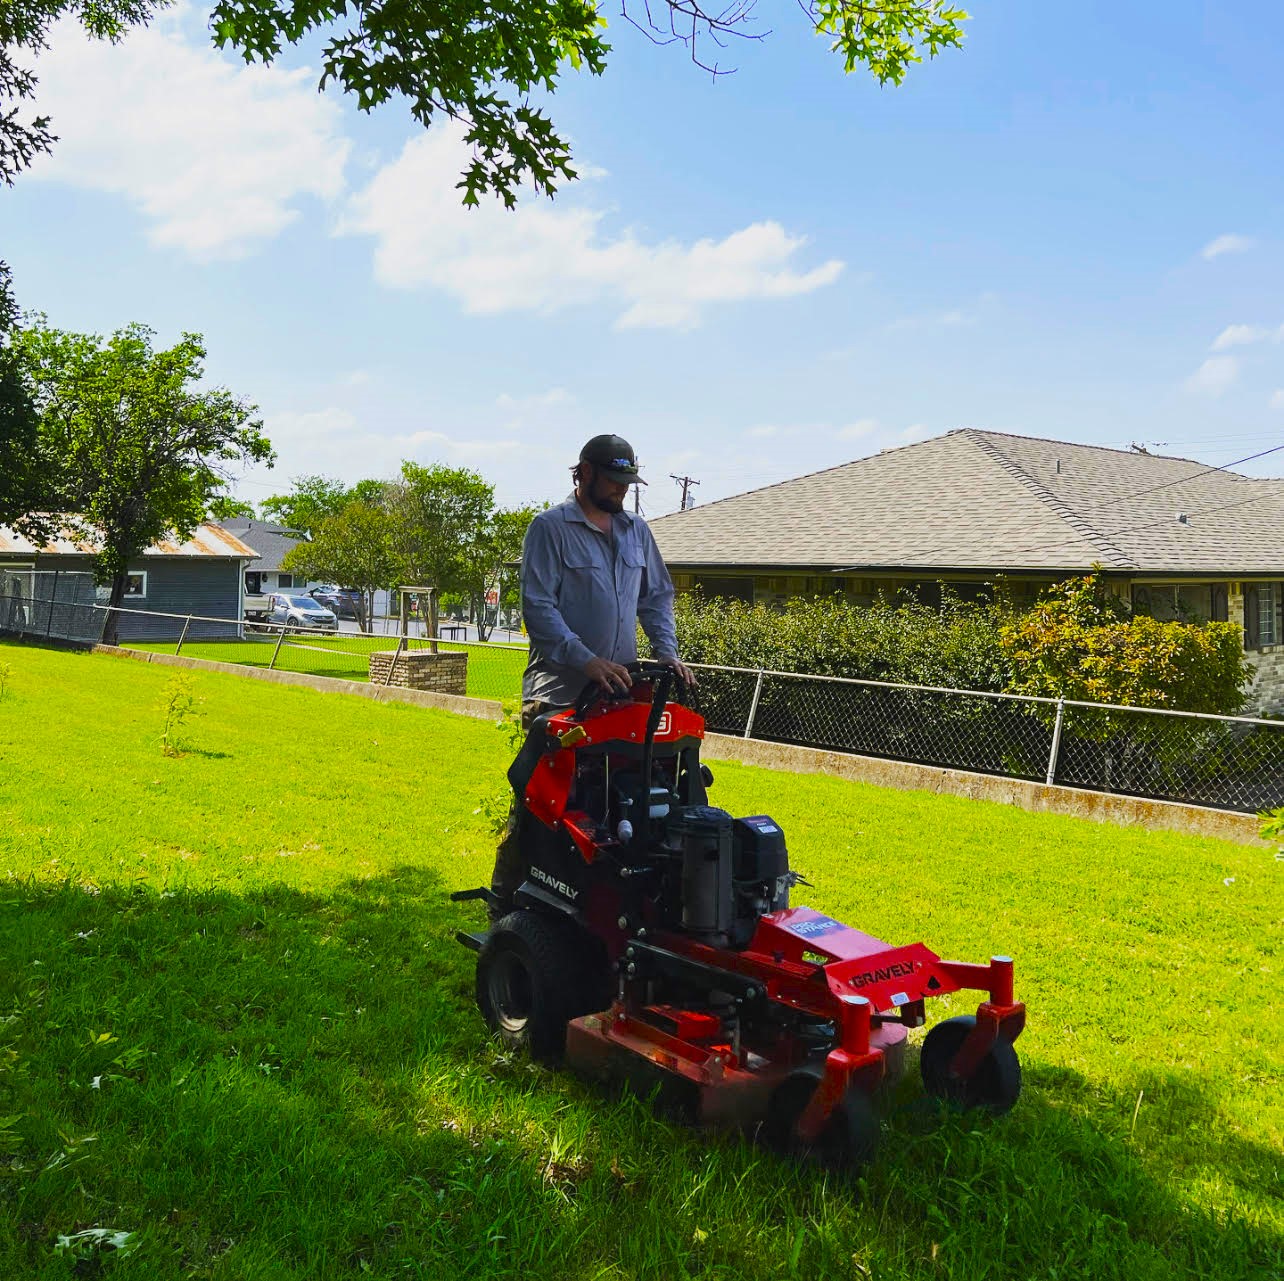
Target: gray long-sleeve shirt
[[584, 593]]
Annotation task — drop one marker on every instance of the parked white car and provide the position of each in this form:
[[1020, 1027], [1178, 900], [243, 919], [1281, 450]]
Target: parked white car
[[302, 613]]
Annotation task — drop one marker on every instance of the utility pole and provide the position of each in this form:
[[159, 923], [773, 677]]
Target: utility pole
[[686, 483]]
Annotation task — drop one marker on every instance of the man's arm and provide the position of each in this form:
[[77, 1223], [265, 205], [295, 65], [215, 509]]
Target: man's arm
[[655, 608], [655, 602]]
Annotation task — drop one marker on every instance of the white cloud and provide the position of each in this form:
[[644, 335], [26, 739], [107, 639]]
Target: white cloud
[[1228, 244], [216, 154], [290, 425], [1277, 398], [535, 401], [1214, 375], [1239, 336], [763, 432], [542, 257], [861, 427]]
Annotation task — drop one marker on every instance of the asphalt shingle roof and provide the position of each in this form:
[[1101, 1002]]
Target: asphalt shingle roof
[[990, 501], [271, 542]]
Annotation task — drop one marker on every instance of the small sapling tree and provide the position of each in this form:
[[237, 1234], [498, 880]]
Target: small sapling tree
[[178, 702]]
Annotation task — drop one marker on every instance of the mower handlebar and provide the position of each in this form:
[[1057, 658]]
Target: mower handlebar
[[642, 670]]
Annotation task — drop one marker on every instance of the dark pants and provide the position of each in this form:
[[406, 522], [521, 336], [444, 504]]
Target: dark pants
[[510, 858]]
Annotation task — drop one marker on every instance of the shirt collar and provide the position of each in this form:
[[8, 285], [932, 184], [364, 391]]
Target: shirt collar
[[572, 511]]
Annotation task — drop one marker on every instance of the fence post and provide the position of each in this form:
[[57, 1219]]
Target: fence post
[[1056, 741], [277, 650], [183, 637], [392, 667], [753, 707], [53, 600]]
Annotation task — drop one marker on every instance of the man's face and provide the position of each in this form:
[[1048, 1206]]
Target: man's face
[[605, 494]]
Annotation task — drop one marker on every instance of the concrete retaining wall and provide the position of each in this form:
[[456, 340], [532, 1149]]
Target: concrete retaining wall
[[1101, 807], [485, 709]]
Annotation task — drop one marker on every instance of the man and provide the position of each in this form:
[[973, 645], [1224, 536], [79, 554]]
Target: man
[[590, 573]]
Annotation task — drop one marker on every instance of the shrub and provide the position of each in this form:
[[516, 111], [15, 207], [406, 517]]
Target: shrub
[[1080, 642], [903, 641]]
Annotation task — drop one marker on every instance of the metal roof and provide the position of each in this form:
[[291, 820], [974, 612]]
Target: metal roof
[[994, 502], [206, 540]]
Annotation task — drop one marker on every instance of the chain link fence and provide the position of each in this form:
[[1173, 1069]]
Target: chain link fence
[[493, 670], [1228, 762]]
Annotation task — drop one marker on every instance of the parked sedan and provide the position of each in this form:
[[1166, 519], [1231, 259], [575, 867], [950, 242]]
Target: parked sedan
[[302, 614], [344, 601]]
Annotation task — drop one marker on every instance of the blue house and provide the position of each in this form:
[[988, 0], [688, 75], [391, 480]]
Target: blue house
[[49, 589]]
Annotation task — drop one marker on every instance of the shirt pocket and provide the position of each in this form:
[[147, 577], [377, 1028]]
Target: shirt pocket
[[582, 577], [632, 565]]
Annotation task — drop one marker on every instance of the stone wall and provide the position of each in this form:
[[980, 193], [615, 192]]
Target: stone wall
[[1266, 693], [444, 673]]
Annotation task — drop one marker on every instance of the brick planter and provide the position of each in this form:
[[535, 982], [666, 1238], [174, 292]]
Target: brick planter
[[421, 669]]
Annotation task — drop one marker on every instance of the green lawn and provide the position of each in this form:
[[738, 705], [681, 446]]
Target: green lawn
[[494, 671], [234, 1022]]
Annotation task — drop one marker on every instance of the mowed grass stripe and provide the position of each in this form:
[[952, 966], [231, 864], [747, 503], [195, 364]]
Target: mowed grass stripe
[[493, 671], [235, 1022]]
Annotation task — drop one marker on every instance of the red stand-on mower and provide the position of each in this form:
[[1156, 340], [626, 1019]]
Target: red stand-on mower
[[653, 941]]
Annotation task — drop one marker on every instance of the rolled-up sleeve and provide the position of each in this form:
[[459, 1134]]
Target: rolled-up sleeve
[[655, 602], [541, 575]]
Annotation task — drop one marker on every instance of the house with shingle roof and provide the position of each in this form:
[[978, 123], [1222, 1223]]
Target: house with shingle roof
[[1175, 537], [264, 574]]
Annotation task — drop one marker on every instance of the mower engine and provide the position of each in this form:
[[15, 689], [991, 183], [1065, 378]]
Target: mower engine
[[653, 940]]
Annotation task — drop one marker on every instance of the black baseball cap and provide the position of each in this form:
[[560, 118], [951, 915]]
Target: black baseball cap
[[613, 456]]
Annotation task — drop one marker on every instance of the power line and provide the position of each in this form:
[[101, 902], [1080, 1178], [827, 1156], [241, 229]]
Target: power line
[[1168, 484], [685, 483]]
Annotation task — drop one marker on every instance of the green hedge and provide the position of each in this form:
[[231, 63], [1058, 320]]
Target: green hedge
[[956, 645], [1079, 641]]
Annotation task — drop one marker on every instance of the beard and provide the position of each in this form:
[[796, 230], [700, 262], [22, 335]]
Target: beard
[[604, 500]]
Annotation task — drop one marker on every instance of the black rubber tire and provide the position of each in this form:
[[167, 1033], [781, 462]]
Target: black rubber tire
[[848, 1142], [535, 974], [995, 1085]]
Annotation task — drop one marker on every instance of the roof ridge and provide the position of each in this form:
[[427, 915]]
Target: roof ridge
[[1049, 499], [1107, 449], [820, 471]]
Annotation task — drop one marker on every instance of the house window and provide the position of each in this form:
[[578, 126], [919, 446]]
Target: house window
[[254, 583], [1184, 603], [1266, 614], [285, 580], [135, 587]]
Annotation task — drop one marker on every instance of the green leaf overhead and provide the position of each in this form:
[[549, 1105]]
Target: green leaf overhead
[[487, 66]]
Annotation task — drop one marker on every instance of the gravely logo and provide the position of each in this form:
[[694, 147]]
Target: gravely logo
[[896, 970], [560, 886]]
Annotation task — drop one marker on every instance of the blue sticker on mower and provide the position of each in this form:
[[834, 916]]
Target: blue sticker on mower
[[817, 925]]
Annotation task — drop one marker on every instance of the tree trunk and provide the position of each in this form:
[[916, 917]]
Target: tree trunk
[[111, 631], [479, 612]]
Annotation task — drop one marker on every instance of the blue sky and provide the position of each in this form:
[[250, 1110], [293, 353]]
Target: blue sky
[[1069, 228]]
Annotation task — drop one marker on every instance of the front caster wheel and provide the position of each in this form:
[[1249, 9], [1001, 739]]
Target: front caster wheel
[[995, 1085], [849, 1139]]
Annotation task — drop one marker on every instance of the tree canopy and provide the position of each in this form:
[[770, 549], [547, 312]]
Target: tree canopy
[[140, 452], [311, 500], [477, 64], [352, 548], [21, 466]]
